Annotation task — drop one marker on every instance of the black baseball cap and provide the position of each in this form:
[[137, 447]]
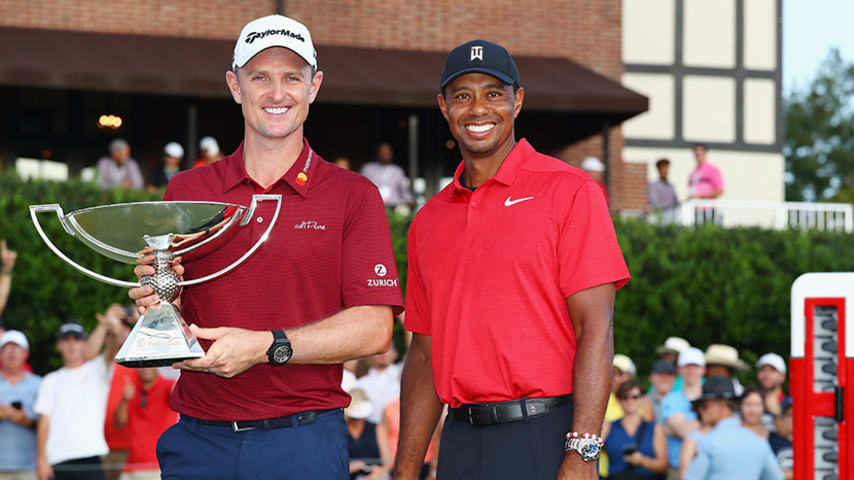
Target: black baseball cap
[[663, 366], [71, 329], [480, 56]]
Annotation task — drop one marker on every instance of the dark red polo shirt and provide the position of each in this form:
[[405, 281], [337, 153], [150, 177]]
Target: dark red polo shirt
[[329, 250], [490, 271]]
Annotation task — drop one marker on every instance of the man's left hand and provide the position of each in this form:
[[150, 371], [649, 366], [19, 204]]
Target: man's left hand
[[574, 468], [233, 351]]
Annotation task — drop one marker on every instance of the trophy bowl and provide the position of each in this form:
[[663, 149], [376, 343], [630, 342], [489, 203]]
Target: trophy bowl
[[128, 232]]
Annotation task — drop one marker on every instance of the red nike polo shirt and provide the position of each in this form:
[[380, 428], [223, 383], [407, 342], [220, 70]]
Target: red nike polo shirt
[[490, 271]]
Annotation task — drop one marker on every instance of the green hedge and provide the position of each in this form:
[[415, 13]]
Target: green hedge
[[708, 285]]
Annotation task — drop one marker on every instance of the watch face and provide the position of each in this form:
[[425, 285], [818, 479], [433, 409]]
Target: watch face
[[589, 450], [282, 354]]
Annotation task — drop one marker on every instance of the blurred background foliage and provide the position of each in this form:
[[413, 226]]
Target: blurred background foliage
[[708, 285]]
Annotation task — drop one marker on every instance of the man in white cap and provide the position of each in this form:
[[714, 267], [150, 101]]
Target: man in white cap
[[669, 352], [266, 399], [678, 417], [596, 169], [772, 375], [173, 155], [18, 391], [119, 169], [209, 152]]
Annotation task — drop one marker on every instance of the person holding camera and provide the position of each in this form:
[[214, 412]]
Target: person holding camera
[[18, 391], [636, 448]]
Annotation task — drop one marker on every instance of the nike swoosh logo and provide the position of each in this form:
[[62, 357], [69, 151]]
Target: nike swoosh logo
[[509, 202]]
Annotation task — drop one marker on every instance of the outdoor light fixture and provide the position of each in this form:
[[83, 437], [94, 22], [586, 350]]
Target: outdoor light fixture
[[109, 121]]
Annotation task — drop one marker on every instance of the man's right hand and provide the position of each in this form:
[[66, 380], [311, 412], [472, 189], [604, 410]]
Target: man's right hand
[[144, 296]]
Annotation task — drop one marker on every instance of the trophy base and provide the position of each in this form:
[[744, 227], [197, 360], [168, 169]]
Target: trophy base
[[160, 338]]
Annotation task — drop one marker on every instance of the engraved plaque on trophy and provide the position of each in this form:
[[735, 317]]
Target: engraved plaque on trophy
[[130, 231]]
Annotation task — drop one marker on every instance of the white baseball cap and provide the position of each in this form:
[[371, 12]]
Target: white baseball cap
[[15, 336], [592, 164], [674, 345], [773, 360], [273, 31], [174, 149], [624, 364], [691, 356], [209, 144]]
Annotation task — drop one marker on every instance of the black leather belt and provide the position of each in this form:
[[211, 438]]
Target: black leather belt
[[303, 418], [502, 412]]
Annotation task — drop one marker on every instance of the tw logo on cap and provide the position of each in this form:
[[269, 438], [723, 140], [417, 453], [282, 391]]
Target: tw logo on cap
[[476, 53]]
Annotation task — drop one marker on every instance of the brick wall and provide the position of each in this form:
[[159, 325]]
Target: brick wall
[[179, 18], [586, 31]]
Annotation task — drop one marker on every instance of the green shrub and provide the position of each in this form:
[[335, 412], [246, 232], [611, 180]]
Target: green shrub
[[708, 285]]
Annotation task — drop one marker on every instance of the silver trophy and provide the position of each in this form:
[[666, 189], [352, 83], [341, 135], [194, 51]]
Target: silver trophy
[[190, 230]]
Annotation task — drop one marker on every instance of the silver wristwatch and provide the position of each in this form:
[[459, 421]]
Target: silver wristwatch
[[588, 447]]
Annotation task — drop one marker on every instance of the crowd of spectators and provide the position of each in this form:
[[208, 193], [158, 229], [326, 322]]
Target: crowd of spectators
[[696, 418], [373, 418], [120, 170], [95, 419]]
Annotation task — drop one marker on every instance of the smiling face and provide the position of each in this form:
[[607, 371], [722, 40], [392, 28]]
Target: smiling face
[[480, 110], [274, 90]]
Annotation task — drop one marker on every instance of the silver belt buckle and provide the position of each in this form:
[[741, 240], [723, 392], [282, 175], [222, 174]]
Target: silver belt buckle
[[236, 428], [471, 418]]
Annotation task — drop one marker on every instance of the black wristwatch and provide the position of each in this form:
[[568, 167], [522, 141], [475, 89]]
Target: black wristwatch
[[280, 351]]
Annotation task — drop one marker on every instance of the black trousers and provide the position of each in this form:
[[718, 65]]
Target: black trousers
[[532, 449], [89, 468]]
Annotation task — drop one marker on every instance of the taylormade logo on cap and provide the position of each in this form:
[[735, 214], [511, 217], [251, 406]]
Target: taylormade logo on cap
[[255, 35], [273, 31]]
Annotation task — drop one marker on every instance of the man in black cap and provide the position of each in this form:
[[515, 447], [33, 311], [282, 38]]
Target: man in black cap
[[513, 269], [72, 401], [729, 450], [661, 379]]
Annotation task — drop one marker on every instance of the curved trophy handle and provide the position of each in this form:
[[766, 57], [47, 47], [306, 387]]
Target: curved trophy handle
[[35, 209], [247, 217]]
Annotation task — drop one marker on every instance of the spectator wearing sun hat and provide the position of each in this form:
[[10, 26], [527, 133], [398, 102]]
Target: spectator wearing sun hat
[[676, 413], [728, 451], [771, 373], [723, 361], [18, 391]]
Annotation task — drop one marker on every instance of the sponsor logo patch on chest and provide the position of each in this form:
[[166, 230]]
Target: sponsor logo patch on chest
[[309, 225]]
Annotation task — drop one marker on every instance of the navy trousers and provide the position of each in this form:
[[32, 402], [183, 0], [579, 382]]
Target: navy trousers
[[191, 450]]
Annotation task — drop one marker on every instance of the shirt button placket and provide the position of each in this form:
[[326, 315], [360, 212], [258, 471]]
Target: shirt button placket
[[474, 206]]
